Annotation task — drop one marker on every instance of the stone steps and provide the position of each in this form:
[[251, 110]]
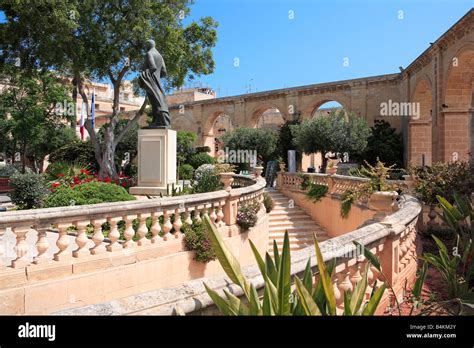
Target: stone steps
[[300, 226]]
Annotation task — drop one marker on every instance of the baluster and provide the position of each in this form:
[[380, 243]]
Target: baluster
[[187, 217], [213, 215], [98, 238], [220, 215], [345, 285], [142, 231], [62, 243], [205, 211], [197, 216], [167, 226], [129, 232], [21, 247], [114, 235], [81, 240], [356, 276], [177, 223], [155, 228], [42, 246]]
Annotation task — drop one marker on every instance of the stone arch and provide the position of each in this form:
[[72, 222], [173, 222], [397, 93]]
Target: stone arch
[[456, 126], [420, 149], [257, 113], [308, 111], [211, 134]]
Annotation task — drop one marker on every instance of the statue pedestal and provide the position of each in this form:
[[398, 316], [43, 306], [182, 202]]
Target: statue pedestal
[[156, 161]]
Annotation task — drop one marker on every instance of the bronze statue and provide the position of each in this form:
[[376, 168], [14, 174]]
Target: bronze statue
[[154, 69]]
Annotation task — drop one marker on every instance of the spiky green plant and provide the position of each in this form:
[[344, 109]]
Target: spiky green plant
[[308, 297]]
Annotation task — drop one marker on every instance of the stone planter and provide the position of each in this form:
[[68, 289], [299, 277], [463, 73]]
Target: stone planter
[[384, 201], [258, 171], [227, 179]]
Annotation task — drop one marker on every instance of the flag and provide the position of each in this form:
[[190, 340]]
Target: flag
[[81, 123], [93, 109]]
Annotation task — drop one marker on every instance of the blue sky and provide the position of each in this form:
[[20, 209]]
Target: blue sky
[[275, 51]]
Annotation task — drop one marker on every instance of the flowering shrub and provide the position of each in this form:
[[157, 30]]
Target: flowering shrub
[[92, 192], [196, 238], [206, 179], [247, 215], [204, 170]]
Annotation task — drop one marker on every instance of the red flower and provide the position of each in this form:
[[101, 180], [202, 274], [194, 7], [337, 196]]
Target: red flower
[[99, 179], [56, 184], [83, 170], [124, 184], [88, 173], [107, 179], [72, 185], [60, 175]]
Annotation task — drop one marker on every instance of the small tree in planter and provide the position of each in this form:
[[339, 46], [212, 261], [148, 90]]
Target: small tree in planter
[[380, 194], [336, 132]]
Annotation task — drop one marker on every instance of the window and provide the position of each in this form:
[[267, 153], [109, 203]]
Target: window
[[122, 109]]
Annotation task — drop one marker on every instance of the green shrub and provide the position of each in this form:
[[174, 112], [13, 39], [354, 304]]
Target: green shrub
[[29, 190], [77, 152], [207, 183], [8, 171], [186, 172], [198, 159], [87, 193], [196, 238], [268, 202]]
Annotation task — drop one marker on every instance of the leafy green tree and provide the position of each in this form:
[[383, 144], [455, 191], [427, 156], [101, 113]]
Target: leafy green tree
[[384, 143], [336, 132], [30, 119], [184, 148], [262, 140], [105, 41]]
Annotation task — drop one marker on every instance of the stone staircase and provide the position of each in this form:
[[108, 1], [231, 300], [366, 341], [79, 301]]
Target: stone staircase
[[299, 225]]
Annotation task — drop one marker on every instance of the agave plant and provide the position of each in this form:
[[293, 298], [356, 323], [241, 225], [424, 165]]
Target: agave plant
[[308, 297]]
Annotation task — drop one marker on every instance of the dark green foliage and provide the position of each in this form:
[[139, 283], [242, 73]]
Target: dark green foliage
[[88, 193], [347, 199], [29, 190], [285, 142], [203, 149], [196, 238], [316, 192], [186, 172], [198, 159], [268, 202], [384, 143], [77, 152]]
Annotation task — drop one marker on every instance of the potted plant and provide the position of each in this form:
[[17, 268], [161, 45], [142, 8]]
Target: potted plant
[[380, 194], [258, 169], [281, 164]]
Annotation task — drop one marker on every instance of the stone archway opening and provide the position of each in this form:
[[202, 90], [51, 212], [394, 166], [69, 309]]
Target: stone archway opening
[[270, 118], [221, 125], [314, 161]]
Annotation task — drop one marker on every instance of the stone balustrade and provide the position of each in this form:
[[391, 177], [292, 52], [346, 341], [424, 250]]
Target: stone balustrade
[[392, 240], [131, 226]]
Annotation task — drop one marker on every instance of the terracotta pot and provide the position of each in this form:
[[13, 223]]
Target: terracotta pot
[[385, 201]]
